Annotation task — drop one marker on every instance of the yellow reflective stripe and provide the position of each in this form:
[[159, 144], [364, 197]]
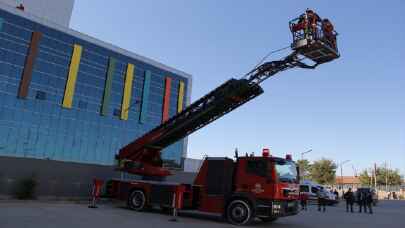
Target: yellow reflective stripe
[[71, 81], [126, 99], [180, 97]]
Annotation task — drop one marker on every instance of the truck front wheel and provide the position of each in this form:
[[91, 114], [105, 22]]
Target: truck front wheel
[[137, 200], [239, 212]]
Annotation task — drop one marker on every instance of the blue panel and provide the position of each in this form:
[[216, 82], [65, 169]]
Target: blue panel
[[145, 97]]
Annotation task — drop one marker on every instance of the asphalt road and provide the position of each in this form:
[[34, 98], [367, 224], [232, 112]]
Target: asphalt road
[[388, 214]]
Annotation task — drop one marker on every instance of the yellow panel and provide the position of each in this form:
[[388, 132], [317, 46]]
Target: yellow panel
[[126, 99], [71, 81], [180, 97]]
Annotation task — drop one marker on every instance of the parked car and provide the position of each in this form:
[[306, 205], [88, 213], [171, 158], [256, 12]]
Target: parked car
[[367, 189]]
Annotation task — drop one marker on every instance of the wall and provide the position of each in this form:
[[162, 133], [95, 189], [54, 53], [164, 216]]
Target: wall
[[63, 115], [61, 179]]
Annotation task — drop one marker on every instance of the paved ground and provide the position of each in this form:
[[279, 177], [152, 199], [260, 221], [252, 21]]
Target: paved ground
[[389, 214]]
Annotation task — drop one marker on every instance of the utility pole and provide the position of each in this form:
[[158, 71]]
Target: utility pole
[[302, 153], [375, 176], [341, 172], [386, 177], [302, 158]]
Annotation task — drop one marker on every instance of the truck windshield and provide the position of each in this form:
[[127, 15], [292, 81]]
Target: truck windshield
[[287, 171]]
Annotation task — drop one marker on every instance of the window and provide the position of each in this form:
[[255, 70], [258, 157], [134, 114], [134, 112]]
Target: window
[[257, 167], [286, 171], [41, 95], [314, 189]]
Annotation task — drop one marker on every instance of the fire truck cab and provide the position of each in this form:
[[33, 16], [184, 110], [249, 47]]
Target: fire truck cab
[[264, 187]]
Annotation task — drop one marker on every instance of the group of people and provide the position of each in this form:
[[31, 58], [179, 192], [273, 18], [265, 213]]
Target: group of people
[[322, 200], [364, 200], [308, 23]]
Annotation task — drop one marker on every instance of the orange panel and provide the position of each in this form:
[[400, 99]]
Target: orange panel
[[166, 99]]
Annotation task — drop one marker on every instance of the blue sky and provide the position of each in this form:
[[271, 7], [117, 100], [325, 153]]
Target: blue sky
[[352, 108]]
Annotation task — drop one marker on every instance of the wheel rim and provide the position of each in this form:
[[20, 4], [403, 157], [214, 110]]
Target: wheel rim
[[137, 200], [239, 212]]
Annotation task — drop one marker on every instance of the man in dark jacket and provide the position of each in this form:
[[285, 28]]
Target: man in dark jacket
[[304, 200], [349, 197], [361, 197], [321, 195], [369, 202]]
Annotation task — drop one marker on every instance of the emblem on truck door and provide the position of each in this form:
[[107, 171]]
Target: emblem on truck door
[[258, 188]]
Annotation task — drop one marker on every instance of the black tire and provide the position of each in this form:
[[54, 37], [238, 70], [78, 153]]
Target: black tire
[[137, 200], [239, 212], [269, 219]]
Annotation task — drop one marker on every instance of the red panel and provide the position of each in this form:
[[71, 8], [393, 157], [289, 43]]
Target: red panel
[[166, 99], [29, 65]]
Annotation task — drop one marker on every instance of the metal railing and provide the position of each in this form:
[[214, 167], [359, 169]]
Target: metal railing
[[309, 33]]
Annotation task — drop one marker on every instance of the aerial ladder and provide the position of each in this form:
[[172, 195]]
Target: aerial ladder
[[239, 189], [143, 155]]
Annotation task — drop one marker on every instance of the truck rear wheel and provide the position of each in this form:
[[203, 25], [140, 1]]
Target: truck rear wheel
[[137, 200], [239, 212]]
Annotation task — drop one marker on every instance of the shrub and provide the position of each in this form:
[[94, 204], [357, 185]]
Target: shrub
[[25, 188]]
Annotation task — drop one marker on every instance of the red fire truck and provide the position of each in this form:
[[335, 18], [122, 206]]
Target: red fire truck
[[239, 189]]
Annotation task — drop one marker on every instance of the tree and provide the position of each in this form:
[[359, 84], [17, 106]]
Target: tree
[[384, 176], [365, 178], [323, 171], [305, 168]]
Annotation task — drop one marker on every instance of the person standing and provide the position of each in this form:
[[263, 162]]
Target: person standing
[[304, 200], [336, 194], [327, 29], [369, 202], [349, 197], [362, 201], [313, 19], [321, 194]]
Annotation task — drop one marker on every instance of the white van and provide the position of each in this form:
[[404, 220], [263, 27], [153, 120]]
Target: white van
[[311, 188]]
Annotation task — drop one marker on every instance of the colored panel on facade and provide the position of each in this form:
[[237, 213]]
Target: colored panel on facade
[[29, 65], [126, 99], [145, 97], [166, 99], [1, 23], [71, 81], [107, 87], [180, 97]]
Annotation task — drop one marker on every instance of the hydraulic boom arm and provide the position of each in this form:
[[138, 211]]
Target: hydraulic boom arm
[[142, 156]]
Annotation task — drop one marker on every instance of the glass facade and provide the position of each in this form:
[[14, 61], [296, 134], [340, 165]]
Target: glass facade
[[65, 98]]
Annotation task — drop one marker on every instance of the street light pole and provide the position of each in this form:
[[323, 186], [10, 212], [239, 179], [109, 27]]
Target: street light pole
[[341, 173], [302, 153], [302, 158]]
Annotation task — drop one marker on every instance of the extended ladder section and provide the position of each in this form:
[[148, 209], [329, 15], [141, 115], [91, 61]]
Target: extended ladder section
[[142, 156]]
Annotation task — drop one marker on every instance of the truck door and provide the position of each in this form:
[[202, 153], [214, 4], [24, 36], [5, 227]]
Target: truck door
[[255, 176]]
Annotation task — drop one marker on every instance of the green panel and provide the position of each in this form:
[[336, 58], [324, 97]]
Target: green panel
[[107, 88], [145, 97], [1, 23]]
